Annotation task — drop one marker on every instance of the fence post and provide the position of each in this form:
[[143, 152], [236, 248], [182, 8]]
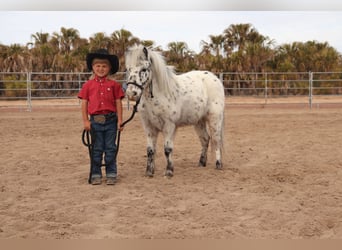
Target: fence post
[[265, 87], [310, 88], [79, 86], [221, 77], [29, 91]]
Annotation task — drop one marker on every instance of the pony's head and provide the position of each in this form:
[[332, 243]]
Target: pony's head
[[138, 71], [146, 70]]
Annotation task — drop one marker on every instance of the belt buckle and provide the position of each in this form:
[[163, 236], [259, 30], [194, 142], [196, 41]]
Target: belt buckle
[[100, 119]]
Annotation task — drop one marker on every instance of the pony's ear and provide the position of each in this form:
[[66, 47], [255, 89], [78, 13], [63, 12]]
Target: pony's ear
[[145, 52]]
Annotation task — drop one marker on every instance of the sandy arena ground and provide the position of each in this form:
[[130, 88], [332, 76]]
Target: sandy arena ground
[[282, 179]]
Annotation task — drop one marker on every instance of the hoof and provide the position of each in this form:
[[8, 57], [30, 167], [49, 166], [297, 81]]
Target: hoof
[[203, 161], [149, 174], [168, 173], [200, 164], [219, 165]]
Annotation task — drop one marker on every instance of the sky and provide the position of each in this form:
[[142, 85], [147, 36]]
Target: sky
[[170, 24]]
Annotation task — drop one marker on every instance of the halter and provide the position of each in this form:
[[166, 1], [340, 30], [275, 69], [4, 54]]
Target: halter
[[136, 85], [141, 87]]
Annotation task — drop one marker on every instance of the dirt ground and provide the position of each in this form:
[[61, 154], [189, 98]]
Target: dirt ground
[[282, 179]]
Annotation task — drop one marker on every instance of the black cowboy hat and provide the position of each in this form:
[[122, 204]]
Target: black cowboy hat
[[103, 54]]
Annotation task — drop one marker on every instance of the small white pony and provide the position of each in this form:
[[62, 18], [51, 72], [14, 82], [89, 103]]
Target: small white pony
[[169, 101]]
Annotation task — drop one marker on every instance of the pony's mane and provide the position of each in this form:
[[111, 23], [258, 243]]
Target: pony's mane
[[163, 75]]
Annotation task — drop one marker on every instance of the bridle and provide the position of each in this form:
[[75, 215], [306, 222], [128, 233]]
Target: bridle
[[142, 87]]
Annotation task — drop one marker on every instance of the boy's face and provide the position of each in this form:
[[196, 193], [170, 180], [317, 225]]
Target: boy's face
[[101, 67]]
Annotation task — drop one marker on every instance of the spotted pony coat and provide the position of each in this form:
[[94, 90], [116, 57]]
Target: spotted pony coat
[[169, 100]]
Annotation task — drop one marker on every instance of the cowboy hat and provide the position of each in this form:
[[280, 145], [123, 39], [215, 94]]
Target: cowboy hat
[[103, 54]]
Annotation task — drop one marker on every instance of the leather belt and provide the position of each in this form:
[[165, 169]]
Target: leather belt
[[103, 118]]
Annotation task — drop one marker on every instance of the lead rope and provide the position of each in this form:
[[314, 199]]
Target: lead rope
[[135, 109], [87, 138]]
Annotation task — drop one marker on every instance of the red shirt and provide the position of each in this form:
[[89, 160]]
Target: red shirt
[[101, 94]]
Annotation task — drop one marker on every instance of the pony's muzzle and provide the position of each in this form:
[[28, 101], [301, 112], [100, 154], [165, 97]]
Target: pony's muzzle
[[131, 93], [132, 89]]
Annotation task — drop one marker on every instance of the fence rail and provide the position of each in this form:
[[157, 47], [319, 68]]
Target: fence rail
[[255, 87]]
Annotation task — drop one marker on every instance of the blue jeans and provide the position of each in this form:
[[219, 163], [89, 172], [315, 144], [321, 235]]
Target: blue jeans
[[104, 145]]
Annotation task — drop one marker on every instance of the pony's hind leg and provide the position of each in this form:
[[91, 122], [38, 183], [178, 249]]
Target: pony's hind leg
[[169, 134], [203, 135], [216, 132], [169, 165]]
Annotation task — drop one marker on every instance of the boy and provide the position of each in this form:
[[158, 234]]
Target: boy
[[101, 100]]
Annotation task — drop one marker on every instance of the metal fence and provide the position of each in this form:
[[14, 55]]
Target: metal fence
[[280, 87], [307, 88], [30, 86]]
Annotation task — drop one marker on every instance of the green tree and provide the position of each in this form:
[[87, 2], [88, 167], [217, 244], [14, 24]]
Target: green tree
[[68, 39], [176, 54], [308, 56], [120, 40], [42, 52], [237, 36], [99, 41], [15, 58]]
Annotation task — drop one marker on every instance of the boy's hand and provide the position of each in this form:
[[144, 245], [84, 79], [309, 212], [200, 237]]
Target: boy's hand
[[120, 128], [87, 125]]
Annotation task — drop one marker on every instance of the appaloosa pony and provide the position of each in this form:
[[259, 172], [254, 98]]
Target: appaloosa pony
[[168, 100]]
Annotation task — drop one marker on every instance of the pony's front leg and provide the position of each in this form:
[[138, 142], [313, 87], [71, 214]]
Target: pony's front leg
[[168, 150], [151, 150]]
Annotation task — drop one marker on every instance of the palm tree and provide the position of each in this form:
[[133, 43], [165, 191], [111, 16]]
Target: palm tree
[[205, 57], [68, 39], [120, 40], [15, 58], [216, 45], [42, 52], [40, 38], [176, 53], [259, 53], [308, 56], [246, 42], [99, 41], [284, 59], [63, 44], [80, 52], [237, 35]]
